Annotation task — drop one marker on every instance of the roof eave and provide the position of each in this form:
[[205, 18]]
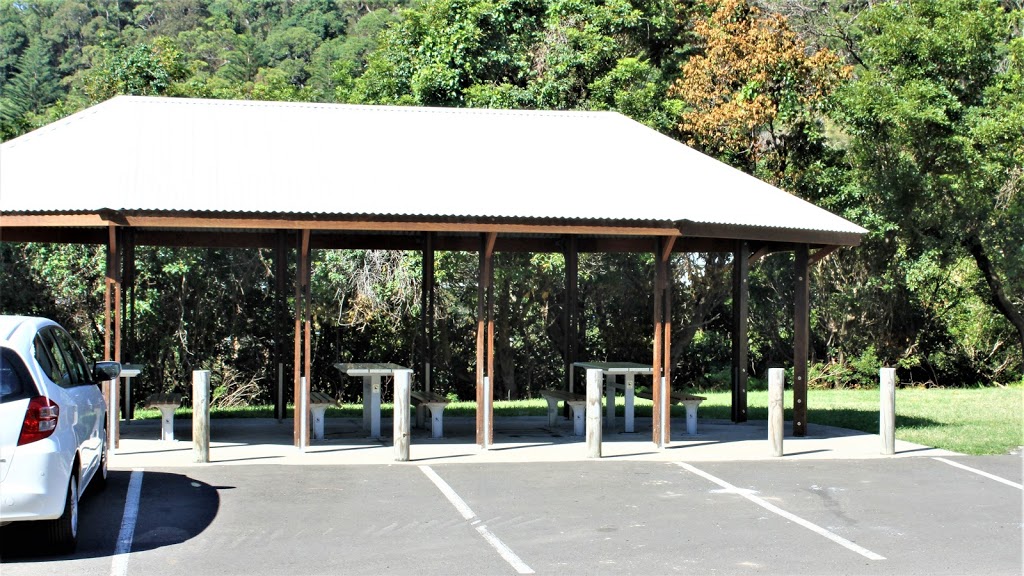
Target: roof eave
[[769, 234]]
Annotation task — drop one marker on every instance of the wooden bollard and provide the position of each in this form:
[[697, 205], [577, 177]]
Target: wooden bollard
[[201, 416], [593, 413], [776, 408], [887, 410], [402, 425]]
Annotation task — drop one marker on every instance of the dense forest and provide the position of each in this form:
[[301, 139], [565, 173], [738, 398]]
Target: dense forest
[[906, 117]]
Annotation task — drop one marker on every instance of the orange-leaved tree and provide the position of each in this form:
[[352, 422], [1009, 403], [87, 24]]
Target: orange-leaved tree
[[754, 95]]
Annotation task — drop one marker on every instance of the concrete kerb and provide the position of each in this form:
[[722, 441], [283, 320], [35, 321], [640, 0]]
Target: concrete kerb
[[517, 439]]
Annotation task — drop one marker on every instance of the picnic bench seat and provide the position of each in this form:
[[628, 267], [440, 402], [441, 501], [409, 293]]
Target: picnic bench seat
[[435, 404], [690, 401], [577, 404], [166, 403], [318, 404]]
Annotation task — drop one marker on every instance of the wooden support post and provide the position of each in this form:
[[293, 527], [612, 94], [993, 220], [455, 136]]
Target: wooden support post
[[801, 339], [491, 381], [666, 371], [112, 331], [480, 325], [401, 424], [128, 314], [776, 408], [302, 334], [570, 313], [280, 315], [740, 339], [307, 356], [108, 289], [662, 365], [201, 416], [427, 310], [297, 358], [594, 382], [115, 237], [656, 379], [485, 342], [887, 410], [279, 405]]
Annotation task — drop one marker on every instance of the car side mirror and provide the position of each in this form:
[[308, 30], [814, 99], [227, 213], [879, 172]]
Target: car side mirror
[[102, 371]]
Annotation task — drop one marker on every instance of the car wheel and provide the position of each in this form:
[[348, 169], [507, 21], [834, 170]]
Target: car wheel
[[63, 532]]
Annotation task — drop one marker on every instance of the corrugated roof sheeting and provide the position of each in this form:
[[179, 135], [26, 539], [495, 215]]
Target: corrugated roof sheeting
[[163, 154]]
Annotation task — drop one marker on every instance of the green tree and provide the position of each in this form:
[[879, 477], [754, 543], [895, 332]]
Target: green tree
[[140, 70], [32, 88], [546, 54], [936, 125], [14, 37], [433, 54]]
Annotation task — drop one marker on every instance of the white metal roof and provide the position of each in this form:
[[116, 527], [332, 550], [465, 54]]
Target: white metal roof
[[170, 154]]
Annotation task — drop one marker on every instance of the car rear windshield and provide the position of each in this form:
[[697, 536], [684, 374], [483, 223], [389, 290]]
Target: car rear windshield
[[15, 382]]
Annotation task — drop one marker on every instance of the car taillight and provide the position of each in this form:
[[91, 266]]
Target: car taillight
[[40, 420]]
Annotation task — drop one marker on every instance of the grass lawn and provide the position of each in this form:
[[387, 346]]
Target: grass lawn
[[971, 421]]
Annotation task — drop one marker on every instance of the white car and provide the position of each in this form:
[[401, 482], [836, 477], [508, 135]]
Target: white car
[[53, 441]]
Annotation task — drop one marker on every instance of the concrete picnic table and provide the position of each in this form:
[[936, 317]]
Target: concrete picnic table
[[609, 371], [371, 373], [129, 371], [114, 409]]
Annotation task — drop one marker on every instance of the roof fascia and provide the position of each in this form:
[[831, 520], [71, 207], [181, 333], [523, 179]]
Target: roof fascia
[[768, 234]]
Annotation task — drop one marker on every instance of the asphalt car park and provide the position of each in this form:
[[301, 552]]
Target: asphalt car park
[[883, 516]]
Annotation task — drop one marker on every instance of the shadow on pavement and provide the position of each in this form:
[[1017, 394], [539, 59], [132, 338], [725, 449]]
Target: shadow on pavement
[[173, 508]]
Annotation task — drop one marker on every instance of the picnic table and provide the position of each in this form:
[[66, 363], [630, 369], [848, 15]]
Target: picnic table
[[371, 373], [609, 371], [129, 371]]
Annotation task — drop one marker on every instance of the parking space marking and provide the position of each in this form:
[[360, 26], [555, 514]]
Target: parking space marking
[[729, 488], [980, 473], [122, 553], [470, 516]]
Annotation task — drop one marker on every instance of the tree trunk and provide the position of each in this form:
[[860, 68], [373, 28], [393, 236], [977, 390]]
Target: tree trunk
[[995, 286]]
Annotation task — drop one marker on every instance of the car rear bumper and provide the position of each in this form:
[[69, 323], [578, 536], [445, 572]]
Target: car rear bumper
[[36, 484]]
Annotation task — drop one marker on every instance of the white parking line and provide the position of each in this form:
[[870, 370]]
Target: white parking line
[[119, 567], [787, 515], [980, 473], [468, 514]]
